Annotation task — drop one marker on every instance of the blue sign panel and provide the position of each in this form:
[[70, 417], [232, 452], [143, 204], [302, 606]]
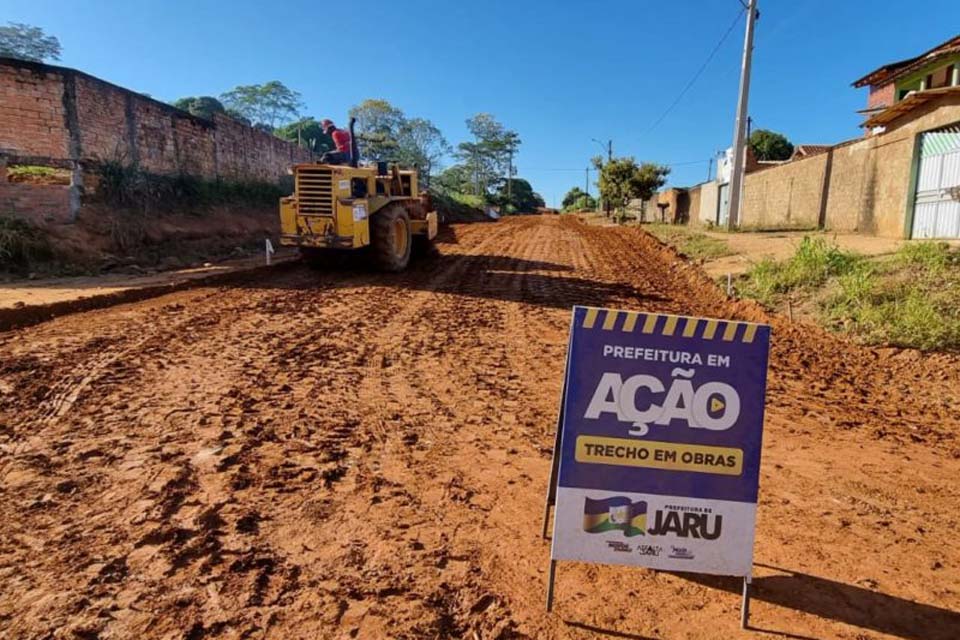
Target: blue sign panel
[[661, 440]]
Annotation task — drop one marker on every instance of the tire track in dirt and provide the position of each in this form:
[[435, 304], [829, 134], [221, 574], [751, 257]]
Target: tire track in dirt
[[359, 455]]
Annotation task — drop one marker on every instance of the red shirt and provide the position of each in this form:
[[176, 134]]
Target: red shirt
[[341, 138]]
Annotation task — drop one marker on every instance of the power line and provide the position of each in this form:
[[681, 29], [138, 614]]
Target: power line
[[671, 164], [697, 75], [689, 162]]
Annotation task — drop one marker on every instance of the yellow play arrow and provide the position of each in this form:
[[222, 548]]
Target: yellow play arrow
[[716, 404]]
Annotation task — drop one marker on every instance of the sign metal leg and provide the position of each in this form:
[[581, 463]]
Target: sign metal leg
[[552, 487], [554, 470], [546, 518], [744, 604], [550, 578]]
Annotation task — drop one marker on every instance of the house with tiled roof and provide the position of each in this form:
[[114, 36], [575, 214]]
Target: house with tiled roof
[[900, 180], [895, 82], [806, 150]]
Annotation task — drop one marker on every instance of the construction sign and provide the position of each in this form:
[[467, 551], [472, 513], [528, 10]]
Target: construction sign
[[660, 437]]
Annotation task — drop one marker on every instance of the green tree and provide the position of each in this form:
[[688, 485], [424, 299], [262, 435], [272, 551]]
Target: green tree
[[622, 180], [489, 155], [770, 145], [385, 133], [239, 117], [267, 104], [379, 127], [307, 133], [25, 42], [455, 179], [578, 200], [200, 106], [522, 198], [421, 145]]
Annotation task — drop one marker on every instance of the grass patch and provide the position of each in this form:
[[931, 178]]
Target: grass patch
[[35, 174], [909, 299], [693, 244], [930, 257], [814, 262], [21, 245]]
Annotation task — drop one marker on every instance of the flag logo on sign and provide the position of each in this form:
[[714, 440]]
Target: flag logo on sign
[[615, 514]]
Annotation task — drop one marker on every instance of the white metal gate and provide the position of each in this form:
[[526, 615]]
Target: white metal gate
[[936, 209]]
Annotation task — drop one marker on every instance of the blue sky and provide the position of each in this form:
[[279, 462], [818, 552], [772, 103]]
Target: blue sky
[[558, 72]]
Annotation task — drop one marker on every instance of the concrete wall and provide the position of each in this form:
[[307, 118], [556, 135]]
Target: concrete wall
[[870, 182], [693, 204], [784, 196], [864, 185], [673, 199], [53, 116], [709, 201]]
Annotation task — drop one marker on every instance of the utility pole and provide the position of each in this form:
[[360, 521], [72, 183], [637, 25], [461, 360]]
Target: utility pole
[[510, 178], [739, 141], [709, 169], [609, 159]]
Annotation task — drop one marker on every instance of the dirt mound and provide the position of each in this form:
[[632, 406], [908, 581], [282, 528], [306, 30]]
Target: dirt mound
[[107, 239], [350, 454]]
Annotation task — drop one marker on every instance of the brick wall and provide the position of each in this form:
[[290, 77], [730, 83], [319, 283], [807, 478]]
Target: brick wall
[[40, 203], [61, 117], [32, 112], [882, 96]]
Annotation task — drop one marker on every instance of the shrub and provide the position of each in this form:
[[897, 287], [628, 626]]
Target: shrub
[[123, 185], [911, 299], [21, 244], [458, 207]]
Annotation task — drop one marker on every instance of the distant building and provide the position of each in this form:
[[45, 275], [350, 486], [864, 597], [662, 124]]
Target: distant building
[[895, 82], [807, 150]]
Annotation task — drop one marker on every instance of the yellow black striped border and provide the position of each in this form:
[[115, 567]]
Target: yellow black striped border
[[669, 325]]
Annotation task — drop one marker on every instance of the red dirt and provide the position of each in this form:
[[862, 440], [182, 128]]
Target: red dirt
[[306, 455]]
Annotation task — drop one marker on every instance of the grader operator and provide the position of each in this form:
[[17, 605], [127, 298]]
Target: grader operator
[[347, 207]]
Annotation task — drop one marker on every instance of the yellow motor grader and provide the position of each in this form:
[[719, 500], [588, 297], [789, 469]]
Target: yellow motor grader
[[349, 207]]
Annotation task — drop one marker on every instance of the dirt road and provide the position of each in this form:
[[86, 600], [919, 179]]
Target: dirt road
[[344, 455]]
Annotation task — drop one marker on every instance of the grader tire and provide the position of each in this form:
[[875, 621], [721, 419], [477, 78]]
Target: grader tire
[[390, 239]]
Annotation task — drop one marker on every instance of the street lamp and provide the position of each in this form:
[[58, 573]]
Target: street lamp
[[609, 150]]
